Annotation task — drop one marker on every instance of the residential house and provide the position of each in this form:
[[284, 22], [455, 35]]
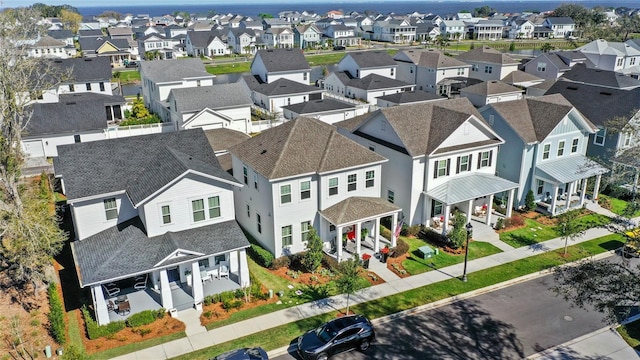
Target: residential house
[[561, 27], [432, 71], [521, 79], [117, 51], [77, 75], [158, 46], [273, 64], [82, 33], [544, 151], [120, 33], [362, 63], [63, 35], [489, 92], [274, 95], [407, 98], [432, 168], [427, 32], [276, 37], [326, 110], [554, 64], [166, 222], [395, 31], [366, 89], [521, 29], [211, 107], [158, 78], [251, 25], [47, 47], [334, 188], [326, 22], [241, 41], [175, 30], [341, 35], [275, 23], [488, 30], [89, 23], [613, 56], [206, 43], [307, 36], [488, 64], [221, 140], [582, 74], [453, 29]]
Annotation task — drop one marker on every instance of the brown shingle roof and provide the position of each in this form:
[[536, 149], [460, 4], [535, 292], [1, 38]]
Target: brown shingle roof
[[302, 146], [491, 88], [357, 208], [488, 55], [431, 58]]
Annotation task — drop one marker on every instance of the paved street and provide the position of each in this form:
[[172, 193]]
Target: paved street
[[511, 323]]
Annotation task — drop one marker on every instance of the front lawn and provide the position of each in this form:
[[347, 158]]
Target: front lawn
[[228, 68], [532, 233], [416, 264], [631, 334], [126, 76], [617, 206]]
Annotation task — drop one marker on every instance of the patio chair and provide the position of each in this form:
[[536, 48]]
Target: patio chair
[[223, 271], [111, 306], [111, 289], [141, 284]]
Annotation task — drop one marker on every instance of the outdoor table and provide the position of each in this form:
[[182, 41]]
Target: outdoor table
[[121, 298], [124, 307]]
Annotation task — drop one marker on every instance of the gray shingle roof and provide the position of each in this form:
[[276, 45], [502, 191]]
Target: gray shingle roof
[[88, 168], [91, 96], [91, 44], [85, 69], [492, 87], [320, 105], [561, 20], [275, 153], [66, 117], [487, 55], [173, 70], [597, 103], [371, 59], [60, 34], [423, 127], [200, 39], [281, 86], [533, 119], [519, 76], [375, 82], [407, 97], [430, 58], [581, 74], [357, 208], [212, 97], [276, 60], [126, 250]]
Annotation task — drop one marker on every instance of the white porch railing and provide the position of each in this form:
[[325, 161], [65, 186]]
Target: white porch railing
[[114, 132]]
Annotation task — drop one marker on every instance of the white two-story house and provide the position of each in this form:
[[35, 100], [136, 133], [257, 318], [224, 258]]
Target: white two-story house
[[155, 227], [613, 56], [273, 64], [489, 64], [304, 174], [431, 71], [544, 151], [362, 63], [561, 27]]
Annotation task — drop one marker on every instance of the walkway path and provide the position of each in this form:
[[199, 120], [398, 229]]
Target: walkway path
[[196, 339]]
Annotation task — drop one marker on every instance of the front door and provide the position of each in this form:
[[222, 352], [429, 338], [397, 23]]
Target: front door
[[173, 274]]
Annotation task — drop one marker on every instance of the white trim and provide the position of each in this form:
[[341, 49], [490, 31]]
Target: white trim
[[175, 254]]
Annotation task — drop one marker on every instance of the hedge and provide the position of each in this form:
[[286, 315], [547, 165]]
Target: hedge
[[56, 315], [142, 318], [262, 256], [95, 331]]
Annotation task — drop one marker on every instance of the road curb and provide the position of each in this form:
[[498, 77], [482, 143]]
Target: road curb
[[450, 300], [550, 350]]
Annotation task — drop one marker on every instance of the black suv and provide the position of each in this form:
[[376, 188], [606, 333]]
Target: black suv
[[339, 48], [336, 336]]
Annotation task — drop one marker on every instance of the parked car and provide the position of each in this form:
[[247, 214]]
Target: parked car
[[339, 47], [256, 353], [132, 64], [336, 336]]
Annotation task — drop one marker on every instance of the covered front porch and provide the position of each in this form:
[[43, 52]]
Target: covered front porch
[[355, 222], [471, 194], [561, 185]]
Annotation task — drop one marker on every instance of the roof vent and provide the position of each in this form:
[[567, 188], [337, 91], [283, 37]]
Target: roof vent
[[87, 59], [605, 93], [263, 152], [71, 103], [572, 88]]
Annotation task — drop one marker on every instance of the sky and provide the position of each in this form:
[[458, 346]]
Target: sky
[[88, 3]]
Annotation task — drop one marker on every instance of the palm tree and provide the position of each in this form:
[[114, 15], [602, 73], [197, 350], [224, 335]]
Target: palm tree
[[442, 41], [546, 47]]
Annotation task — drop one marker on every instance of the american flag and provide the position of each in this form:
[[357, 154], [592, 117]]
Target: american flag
[[398, 228]]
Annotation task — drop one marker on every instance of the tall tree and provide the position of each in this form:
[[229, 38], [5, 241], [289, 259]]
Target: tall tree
[[29, 234], [313, 257], [70, 20], [347, 282]]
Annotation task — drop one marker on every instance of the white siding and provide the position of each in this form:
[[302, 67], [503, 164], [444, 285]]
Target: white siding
[[89, 216]]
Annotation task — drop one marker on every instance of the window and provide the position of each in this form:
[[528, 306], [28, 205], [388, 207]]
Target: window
[[88, 85], [464, 163], [560, 148], [166, 214], [460, 71], [370, 177], [72, 88], [198, 83], [619, 61], [101, 86], [304, 230], [245, 174], [255, 181], [391, 196], [599, 138], [204, 263], [632, 61], [392, 71], [542, 66], [574, 145], [352, 182], [76, 138], [441, 168], [219, 258], [540, 187], [474, 67], [286, 236], [214, 207], [285, 194], [627, 139], [197, 207], [333, 186], [305, 190], [488, 69], [484, 159], [304, 76], [436, 208], [259, 223], [248, 210], [545, 151], [111, 208]]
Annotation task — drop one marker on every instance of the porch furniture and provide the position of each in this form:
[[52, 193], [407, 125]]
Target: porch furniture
[[223, 271], [111, 289], [141, 284], [435, 221], [204, 276], [121, 298], [111, 306], [480, 210], [124, 308], [427, 252]]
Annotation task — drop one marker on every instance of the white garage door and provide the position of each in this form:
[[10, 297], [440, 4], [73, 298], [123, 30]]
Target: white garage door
[[33, 148]]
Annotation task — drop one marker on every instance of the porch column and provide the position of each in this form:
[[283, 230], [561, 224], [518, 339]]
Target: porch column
[[569, 192], [339, 242], [510, 202], [554, 199], [165, 290], [196, 285], [469, 210], [426, 210], [243, 268], [100, 305], [447, 215], [596, 188], [376, 238], [394, 224], [583, 192], [358, 239], [489, 209]]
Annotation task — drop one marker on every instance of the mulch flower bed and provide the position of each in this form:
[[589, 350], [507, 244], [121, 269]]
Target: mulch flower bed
[[215, 312]]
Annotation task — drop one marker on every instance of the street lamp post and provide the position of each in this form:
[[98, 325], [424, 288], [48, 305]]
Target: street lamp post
[[469, 228]]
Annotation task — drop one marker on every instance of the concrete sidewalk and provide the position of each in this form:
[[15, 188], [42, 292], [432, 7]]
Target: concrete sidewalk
[[201, 339]]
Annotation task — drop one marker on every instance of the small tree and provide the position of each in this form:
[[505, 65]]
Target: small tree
[[569, 228], [546, 47], [313, 257], [347, 282], [530, 201], [138, 110], [458, 234], [512, 46]]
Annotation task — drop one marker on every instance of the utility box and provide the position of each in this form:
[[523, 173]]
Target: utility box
[[427, 252]]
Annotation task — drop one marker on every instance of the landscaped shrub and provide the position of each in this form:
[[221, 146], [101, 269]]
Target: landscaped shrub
[[499, 224], [56, 315], [530, 201], [282, 261], [260, 255], [95, 331], [208, 300], [232, 304], [401, 248], [329, 263], [414, 230], [142, 318], [514, 221], [434, 238], [405, 230]]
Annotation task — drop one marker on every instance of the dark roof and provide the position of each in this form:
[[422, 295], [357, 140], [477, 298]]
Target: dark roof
[[84, 69], [200, 39], [173, 70], [430, 58], [519, 76], [423, 127], [91, 96], [581, 74], [281, 86], [374, 81], [90, 32], [126, 250], [560, 20], [60, 34], [371, 59], [276, 60], [487, 55], [91, 44], [407, 97], [491, 88], [533, 119], [88, 168], [276, 153], [212, 97], [66, 117], [320, 105], [597, 103]]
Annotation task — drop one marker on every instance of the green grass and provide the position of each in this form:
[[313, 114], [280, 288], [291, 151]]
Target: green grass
[[631, 334], [534, 232], [127, 76], [593, 220], [415, 264], [108, 354], [618, 206], [285, 334], [228, 68]]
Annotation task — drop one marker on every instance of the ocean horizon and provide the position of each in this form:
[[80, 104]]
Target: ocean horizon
[[398, 7]]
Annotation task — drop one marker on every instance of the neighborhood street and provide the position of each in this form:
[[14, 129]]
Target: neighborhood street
[[511, 323]]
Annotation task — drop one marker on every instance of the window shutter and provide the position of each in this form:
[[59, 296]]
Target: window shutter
[[490, 156], [435, 169], [458, 165], [470, 159], [479, 159], [448, 166]]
